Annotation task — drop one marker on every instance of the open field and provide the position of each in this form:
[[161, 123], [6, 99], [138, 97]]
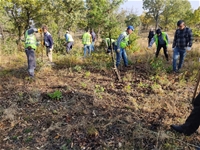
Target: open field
[[79, 104]]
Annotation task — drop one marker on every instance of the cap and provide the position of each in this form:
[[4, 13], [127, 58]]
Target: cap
[[158, 31], [179, 22], [130, 27], [67, 31]]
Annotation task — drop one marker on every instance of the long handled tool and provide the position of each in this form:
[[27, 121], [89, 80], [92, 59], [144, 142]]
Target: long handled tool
[[195, 90], [113, 59]]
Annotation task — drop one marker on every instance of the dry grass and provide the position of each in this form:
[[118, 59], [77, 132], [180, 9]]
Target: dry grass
[[95, 110]]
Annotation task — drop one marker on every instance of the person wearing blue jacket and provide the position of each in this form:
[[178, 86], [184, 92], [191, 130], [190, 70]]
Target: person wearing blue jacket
[[48, 42], [122, 43]]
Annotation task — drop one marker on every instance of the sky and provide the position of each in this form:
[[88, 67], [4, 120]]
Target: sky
[[136, 5]]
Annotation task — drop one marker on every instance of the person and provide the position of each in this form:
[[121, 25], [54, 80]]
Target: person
[[182, 42], [69, 40], [87, 40], [192, 122], [30, 47], [108, 45], [48, 42], [161, 39], [122, 43], [150, 36], [93, 39]]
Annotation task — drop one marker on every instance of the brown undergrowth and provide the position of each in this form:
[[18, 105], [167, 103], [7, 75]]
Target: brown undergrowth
[[79, 104]]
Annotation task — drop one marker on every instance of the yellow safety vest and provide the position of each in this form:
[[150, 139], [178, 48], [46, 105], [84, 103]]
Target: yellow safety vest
[[86, 38]]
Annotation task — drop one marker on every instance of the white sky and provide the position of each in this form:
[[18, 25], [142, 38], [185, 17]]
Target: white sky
[[136, 5]]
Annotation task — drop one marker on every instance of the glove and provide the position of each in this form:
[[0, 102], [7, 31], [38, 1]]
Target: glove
[[118, 50], [188, 48]]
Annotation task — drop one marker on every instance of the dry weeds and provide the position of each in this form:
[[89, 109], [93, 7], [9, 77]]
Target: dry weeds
[[95, 111]]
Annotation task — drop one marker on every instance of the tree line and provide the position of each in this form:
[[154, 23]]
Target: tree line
[[104, 16]]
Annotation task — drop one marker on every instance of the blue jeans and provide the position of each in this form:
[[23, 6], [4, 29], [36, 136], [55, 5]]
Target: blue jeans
[[122, 54], [178, 52], [92, 46], [87, 48]]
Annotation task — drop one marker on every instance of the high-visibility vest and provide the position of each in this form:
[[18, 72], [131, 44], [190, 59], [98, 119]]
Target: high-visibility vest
[[164, 36], [30, 41], [125, 40], [107, 40], [70, 39], [86, 38]]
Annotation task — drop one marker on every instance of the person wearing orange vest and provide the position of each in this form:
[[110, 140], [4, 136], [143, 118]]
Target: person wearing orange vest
[[161, 39], [87, 40]]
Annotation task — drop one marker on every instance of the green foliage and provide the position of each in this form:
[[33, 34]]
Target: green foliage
[[84, 85], [99, 89], [157, 64], [172, 12], [154, 8], [22, 12], [77, 68], [196, 32], [132, 19], [102, 16], [87, 74], [55, 95], [133, 47], [167, 12]]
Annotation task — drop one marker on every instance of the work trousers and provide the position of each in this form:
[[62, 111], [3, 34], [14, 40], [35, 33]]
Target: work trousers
[[164, 49], [30, 53], [193, 121]]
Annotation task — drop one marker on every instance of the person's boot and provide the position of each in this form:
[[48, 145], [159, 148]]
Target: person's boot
[[177, 128]]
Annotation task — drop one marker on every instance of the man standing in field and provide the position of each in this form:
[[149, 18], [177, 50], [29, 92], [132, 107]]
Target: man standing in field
[[150, 36], [122, 43], [182, 42], [69, 40], [93, 39], [48, 42], [161, 40], [30, 47], [87, 40]]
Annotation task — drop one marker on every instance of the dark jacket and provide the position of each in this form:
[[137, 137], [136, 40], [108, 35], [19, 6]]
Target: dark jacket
[[183, 38], [48, 41], [151, 34]]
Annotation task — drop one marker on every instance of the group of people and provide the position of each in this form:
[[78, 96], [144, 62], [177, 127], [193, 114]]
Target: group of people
[[182, 42], [88, 41], [31, 45]]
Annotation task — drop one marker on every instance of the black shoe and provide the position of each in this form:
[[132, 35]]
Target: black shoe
[[177, 128]]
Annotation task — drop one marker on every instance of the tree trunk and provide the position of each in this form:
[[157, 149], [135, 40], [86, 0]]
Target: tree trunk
[[157, 20], [2, 34]]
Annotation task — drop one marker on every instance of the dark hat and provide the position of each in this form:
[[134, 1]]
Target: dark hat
[[179, 22], [158, 31]]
